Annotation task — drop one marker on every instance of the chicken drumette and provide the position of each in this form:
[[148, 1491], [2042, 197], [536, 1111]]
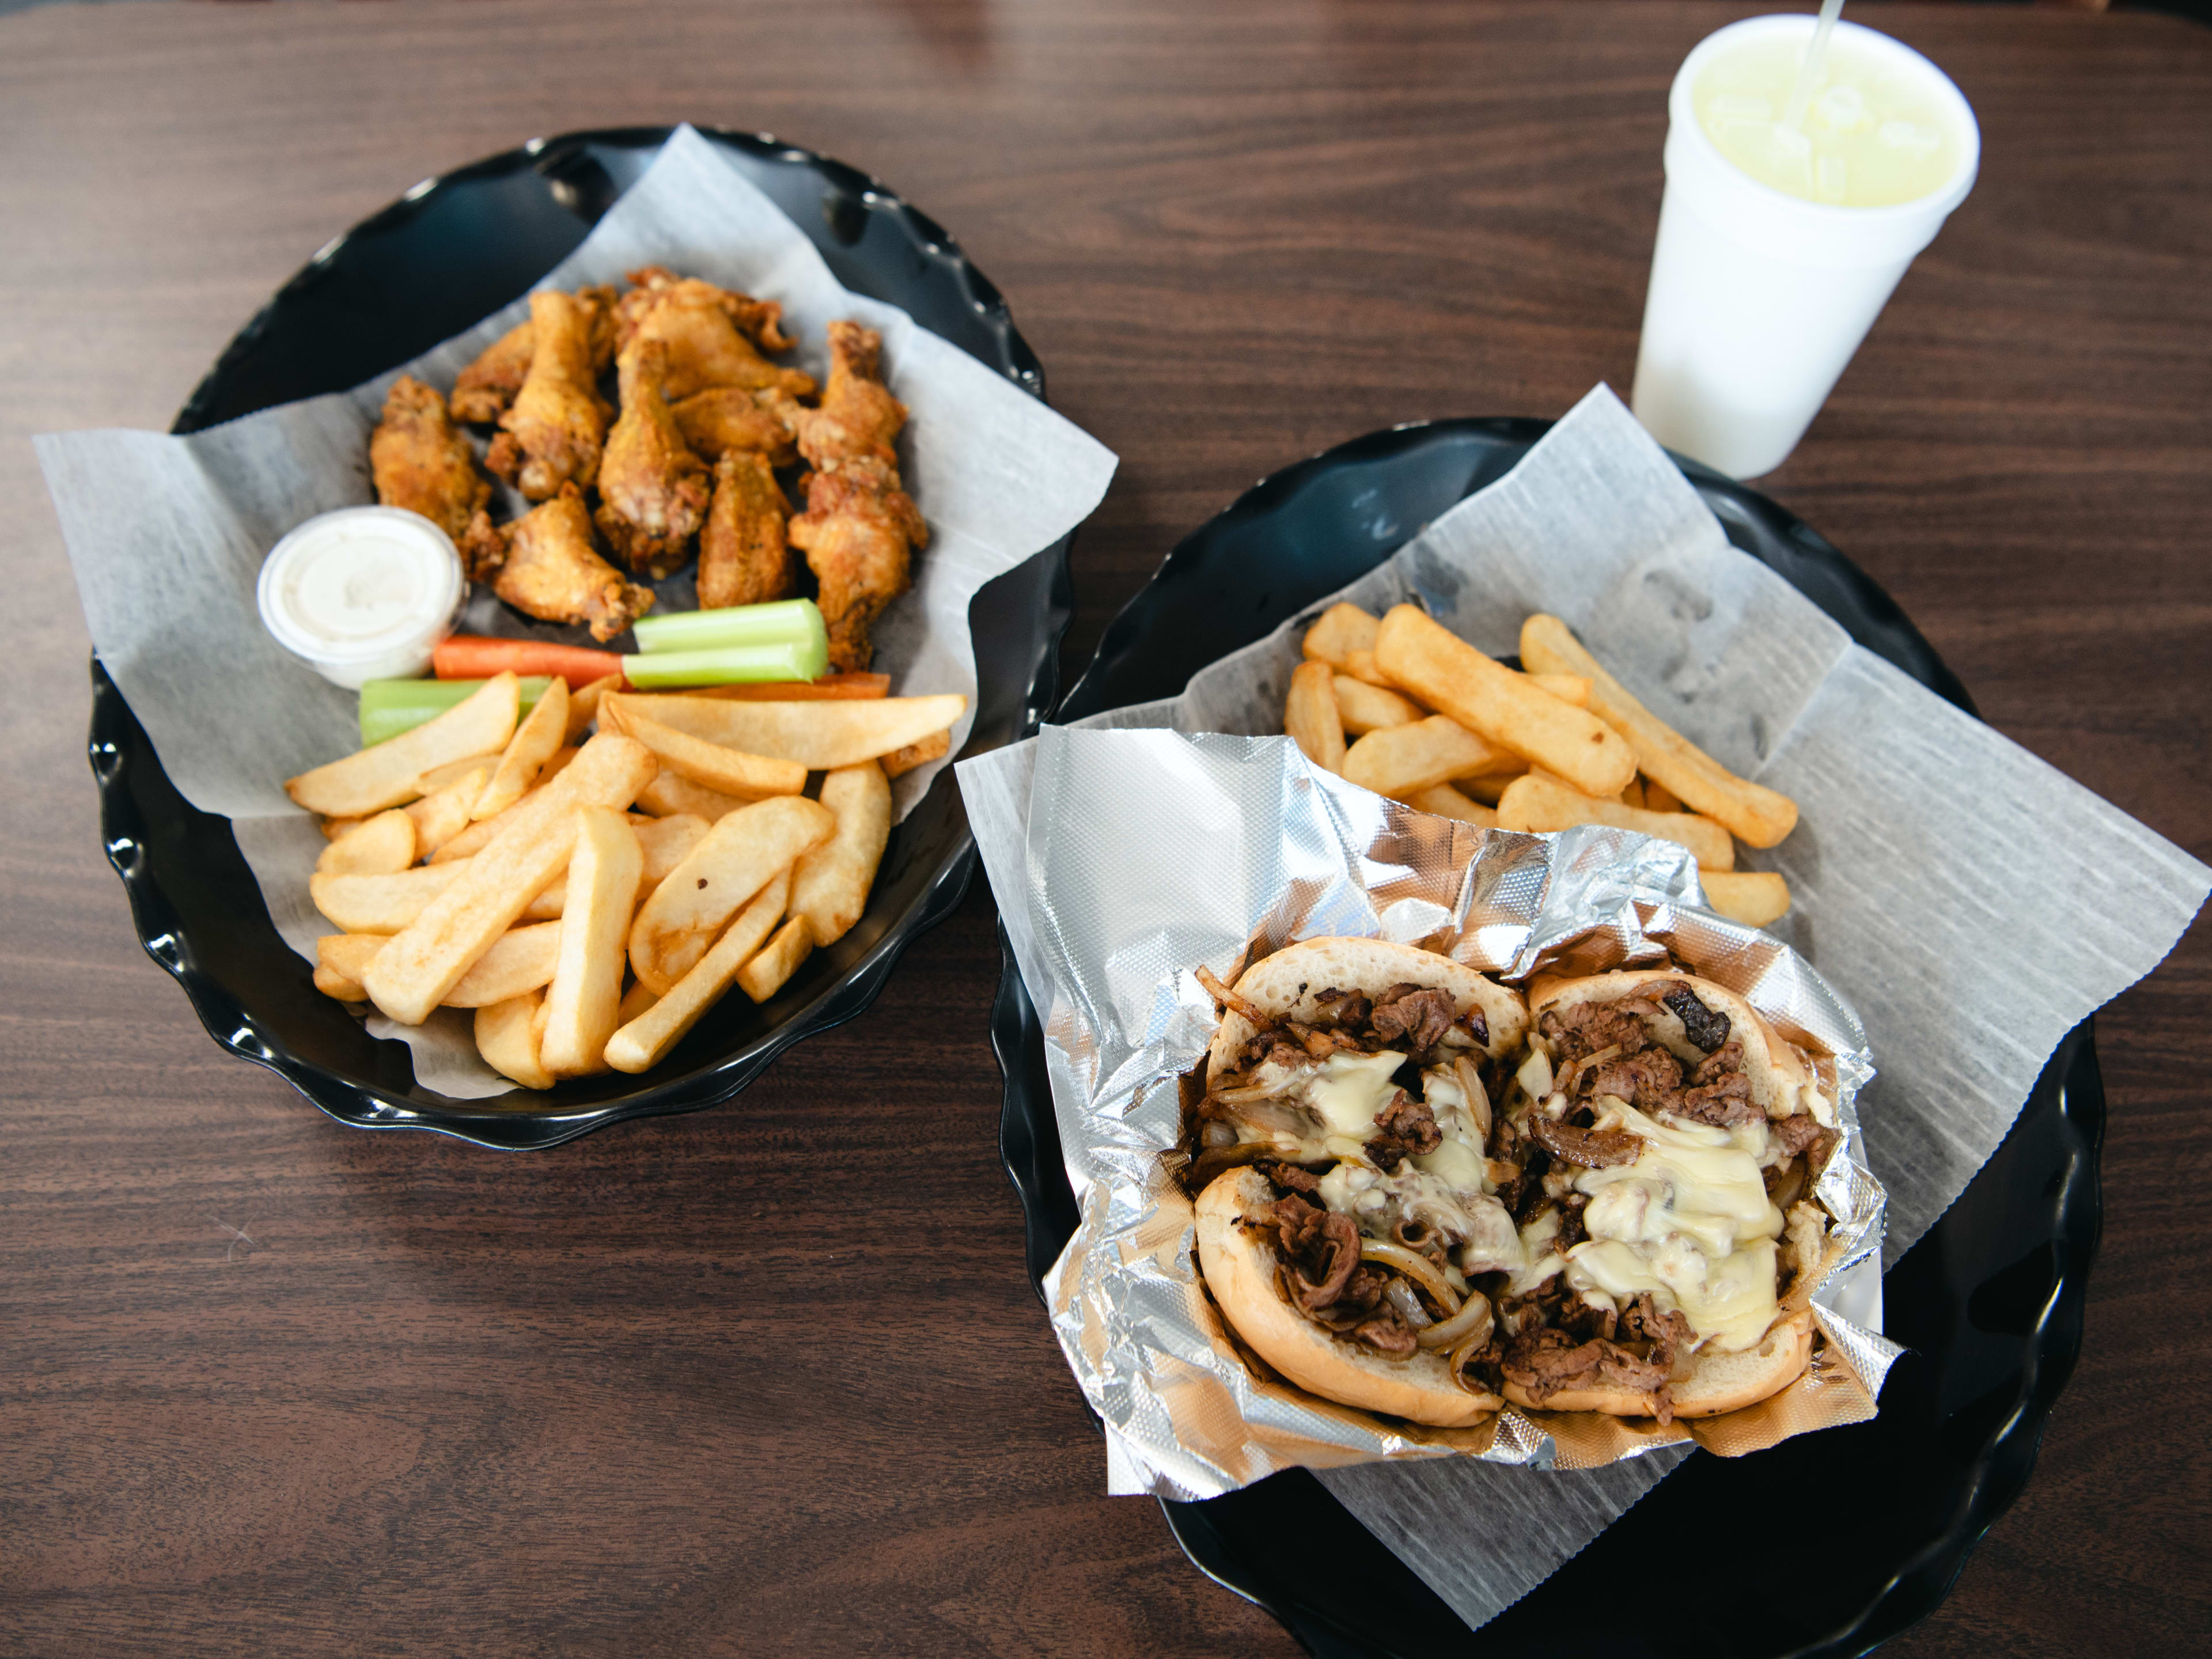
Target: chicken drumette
[[543, 564], [653, 490], [421, 461], [714, 337], [554, 432], [488, 386], [725, 418], [744, 556]]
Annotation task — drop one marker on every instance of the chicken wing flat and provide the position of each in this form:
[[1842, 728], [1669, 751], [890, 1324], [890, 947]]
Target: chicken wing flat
[[551, 570], [859, 416], [488, 386], [653, 490], [857, 531], [743, 557], [422, 461], [713, 336], [554, 432], [724, 418]]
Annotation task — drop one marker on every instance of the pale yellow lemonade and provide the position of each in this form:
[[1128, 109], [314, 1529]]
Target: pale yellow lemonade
[[1871, 137]]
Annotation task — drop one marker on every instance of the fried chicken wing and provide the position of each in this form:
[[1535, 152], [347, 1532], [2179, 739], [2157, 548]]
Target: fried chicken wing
[[422, 461], [653, 490], [859, 415], [549, 569], [743, 557], [724, 418], [856, 530], [488, 386], [554, 432], [713, 336]]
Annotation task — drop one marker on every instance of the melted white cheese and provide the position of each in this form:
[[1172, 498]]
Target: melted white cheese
[[1347, 1090]]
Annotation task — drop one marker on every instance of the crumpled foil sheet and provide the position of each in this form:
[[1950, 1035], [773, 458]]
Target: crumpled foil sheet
[[1151, 853]]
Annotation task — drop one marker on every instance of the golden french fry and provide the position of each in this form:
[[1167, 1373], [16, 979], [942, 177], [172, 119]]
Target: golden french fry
[[1489, 787], [829, 885], [438, 777], [1760, 816], [643, 1039], [671, 793], [348, 955], [900, 762], [1658, 798], [1310, 715], [1369, 707], [331, 983], [520, 960], [820, 735], [381, 904], [664, 843], [439, 817], [552, 899], [1395, 760], [731, 862], [1632, 795], [333, 828], [1757, 898], [584, 705], [532, 744], [584, 1002], [636, 1000], [1447, 802], [1361, 665], [481, 834], [1567, 688], [412, 975], [504, 1038], [388, 774], [381, 845], [779, 959], [559, 758], [1340, 630], [713, 765], [1443, 670], [537, 1026], [1540, 802]]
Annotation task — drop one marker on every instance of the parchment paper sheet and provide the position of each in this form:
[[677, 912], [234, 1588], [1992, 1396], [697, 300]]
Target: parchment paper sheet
[[1973, 902], [167, 535]]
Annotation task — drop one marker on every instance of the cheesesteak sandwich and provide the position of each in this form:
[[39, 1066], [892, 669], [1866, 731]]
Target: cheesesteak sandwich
[[1664, 1140], [1347, 1203]]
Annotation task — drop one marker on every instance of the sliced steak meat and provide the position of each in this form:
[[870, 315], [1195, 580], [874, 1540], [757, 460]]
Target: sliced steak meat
[[1389, 1332], [1796, 1134], [1703, 1026], [1348, 1007], [1651, 1081], [1291, 1177], [1476, 1026], [1580, 1030], [1321, 1251], [1547, 1362], [1411, 1017], [1406, 1125], [1592, 1149], [1642, 1321]]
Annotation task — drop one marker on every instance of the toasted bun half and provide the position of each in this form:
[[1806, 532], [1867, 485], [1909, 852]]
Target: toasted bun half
[[1240, 1270], [1286, 985], [1717, 1382], [1780, 1081]]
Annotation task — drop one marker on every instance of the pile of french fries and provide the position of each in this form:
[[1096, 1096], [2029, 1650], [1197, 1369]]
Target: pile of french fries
[[1401, 705], [589, 893]]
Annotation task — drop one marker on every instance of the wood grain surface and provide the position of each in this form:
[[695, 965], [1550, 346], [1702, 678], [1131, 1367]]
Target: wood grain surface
[[769, 1379]]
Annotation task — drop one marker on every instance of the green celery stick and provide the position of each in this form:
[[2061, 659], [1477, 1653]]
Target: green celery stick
[[787, 621], [664, 671], [390, 707]]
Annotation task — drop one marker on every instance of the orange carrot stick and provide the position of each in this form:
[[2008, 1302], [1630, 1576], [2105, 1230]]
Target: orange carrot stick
[[476, 657], [830, 686]]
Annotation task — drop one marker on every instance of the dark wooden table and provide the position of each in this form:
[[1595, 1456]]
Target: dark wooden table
[[770, 1379]]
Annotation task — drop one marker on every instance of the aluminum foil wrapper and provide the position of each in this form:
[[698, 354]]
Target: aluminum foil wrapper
[[1151, 853]]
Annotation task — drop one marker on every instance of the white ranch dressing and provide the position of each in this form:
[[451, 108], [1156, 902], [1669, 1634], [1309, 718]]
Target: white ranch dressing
[[362, 593]]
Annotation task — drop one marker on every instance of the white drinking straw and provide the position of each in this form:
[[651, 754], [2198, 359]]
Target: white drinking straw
[[1809, 72]]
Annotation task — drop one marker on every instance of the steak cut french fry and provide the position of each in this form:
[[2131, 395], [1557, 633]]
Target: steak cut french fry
[[820, 736], [583, 1003], [535, 740], [506, 1039], [1370, 708], [1567, 688], [438, 777], [1658, 798], [411, 974], [584, 706], [664, 843], [1540, 803], [713, 765], [671, 793], [377, 847], [1396, 760], [1488, 788], [900, 762], [1311, 718], [829, 885], [1757, 898], [439, 817], [331, 983], [732, 861], [1338, 632], [1446, 802], [642, 1040], [779, 959], [635, 1001], [521, 959], [1762, 816], [1444, 671], [381, 903], [1633, 795], [333, 828], [390, 772], [1362, 665]]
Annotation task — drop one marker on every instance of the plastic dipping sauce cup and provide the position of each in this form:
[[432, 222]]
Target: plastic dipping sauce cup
[[1778, 249], [362, 593]]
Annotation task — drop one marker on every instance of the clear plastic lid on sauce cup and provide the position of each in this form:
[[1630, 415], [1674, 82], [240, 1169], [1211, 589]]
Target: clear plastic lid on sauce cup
[[363, 594]]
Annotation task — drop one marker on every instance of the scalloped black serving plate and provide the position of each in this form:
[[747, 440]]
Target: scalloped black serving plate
[[450, 251], [1990, 1302]]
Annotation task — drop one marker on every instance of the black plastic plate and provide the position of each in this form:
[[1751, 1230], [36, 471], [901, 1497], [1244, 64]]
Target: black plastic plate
[[451, 251], [1990, 1302]]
